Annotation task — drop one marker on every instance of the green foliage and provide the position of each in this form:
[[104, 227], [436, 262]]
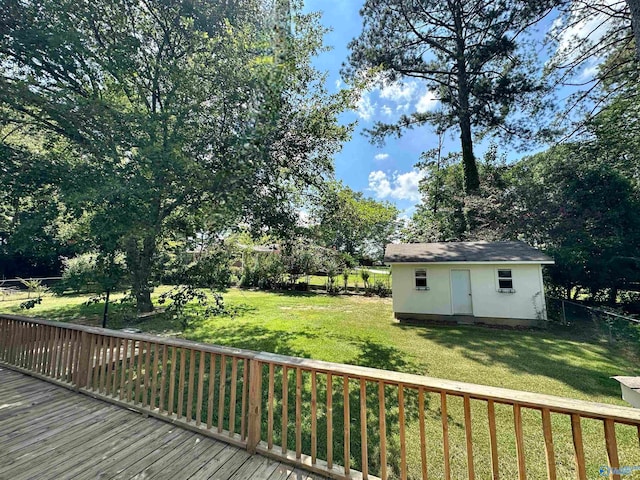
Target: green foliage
[[181, 296], [92, 273], [469, 54], [178, 117], [353, 224]]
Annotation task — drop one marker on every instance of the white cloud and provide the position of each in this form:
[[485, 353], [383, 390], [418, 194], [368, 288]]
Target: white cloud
[[338, 84], [403, 186], [403, 107], [427, 102], [381, 156], [364, 108], [398, 91], [386, 109], [586, 21]]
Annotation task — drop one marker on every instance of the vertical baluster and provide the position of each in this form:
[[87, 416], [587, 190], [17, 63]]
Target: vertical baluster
[[270, 406], [94, 362], [66, 354], [154, 376], [163, 379], [382, 419], [298, 413], [212, 381], [445, 435], [314, 417], [123, 371], [200, 389], [347, 425], [245, 393], [403, 438], [130, 372], [548, 444], [222, 392], [36, 346], [423, 439], [147, 373], [232, 400], [285, 407], [578, 448], [103, 363], [118, 366], [54, 352], [190, 386], [139, 359], [493, 440], [363, 429], [172, 380], [517, 420], [73, 357], [183, 361], [91, 362], [110, 363], [467, 430], [330, 421], [612, 447]]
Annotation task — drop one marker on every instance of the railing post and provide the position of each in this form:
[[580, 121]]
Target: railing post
[[82, 369], [255, 405]]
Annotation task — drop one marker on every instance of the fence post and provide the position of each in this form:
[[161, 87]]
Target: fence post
[[82, 368], [255, 405]]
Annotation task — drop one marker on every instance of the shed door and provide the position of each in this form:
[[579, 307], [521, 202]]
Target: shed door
[[461, 292]]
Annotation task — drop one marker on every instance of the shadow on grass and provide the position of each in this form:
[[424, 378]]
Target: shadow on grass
[[253, 337], [583, 365]]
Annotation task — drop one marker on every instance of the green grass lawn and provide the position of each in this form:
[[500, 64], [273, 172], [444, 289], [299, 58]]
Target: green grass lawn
[[361, 330]]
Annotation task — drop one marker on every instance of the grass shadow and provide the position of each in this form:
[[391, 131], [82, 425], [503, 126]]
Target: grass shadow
[[584, 366]]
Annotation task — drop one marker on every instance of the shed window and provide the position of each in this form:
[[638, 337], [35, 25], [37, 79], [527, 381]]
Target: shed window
[[505, 279], [421, 279]]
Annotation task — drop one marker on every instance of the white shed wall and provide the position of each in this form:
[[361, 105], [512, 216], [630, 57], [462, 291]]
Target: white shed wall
[[527, 302]]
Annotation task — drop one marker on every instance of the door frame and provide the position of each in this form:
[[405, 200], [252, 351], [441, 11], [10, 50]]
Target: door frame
[[451, 289]]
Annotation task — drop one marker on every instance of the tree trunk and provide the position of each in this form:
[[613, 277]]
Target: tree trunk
[[613, 296], [140, 262], [471, 178], [634, 6], [105, 313]]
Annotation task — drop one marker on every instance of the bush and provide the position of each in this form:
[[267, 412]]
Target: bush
[[78, 274], [381, 289]]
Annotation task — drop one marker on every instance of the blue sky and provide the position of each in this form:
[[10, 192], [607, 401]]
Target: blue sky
[[388, 173]]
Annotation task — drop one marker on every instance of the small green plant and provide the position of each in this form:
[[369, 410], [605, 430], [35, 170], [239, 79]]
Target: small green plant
[[182, 295], [365, 275], [345, 279], [34, 286]]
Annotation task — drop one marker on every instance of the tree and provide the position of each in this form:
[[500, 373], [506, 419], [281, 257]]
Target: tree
[[594, 56], [466, 52], [173, 108], [353, 224]]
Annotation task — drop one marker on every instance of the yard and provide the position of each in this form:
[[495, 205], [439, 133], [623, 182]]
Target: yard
[[361, 330]]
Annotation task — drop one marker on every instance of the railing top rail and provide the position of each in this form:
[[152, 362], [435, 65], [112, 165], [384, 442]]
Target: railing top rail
[[482, 392]]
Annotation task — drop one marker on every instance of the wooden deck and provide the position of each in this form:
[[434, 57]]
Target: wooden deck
[[49, 432]]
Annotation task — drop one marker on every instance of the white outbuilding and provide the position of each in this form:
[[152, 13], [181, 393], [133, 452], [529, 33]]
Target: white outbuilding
[[468, 282]]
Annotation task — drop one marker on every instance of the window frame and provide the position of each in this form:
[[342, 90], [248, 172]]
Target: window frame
[[416, 277], [500, 278]]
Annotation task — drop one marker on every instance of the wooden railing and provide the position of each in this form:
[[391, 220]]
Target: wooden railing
[[338, 420]]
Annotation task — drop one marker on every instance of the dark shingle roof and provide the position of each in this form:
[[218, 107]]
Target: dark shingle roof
[[463, 252]]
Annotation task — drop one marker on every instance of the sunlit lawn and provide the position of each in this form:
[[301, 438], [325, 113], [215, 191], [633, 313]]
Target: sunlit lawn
[[361, 330]]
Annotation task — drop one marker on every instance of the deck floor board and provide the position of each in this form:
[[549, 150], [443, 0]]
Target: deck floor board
[[50, 432]]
